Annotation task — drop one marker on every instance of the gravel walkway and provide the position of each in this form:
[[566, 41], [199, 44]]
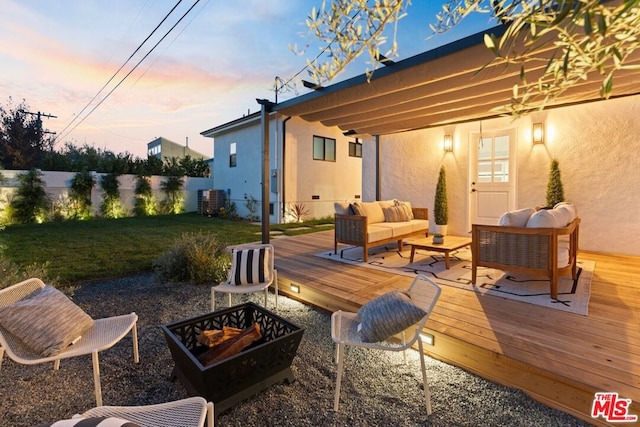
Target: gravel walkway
[[378, 389]]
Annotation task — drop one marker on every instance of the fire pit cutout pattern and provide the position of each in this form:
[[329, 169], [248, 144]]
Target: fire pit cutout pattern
[[229, 381]]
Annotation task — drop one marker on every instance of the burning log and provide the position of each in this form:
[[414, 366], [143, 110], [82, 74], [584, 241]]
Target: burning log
[[231, 346]]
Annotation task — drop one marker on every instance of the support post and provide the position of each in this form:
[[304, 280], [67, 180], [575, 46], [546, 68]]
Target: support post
[[264, 120]]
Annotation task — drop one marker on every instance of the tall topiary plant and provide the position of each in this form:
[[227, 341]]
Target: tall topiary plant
[[440, 209], [555, 191]]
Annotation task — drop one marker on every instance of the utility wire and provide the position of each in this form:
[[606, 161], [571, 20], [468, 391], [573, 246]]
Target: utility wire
[[131, 71]]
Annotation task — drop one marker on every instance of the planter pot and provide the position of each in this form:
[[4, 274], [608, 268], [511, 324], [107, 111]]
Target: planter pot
[[438, 240], [440, 229]]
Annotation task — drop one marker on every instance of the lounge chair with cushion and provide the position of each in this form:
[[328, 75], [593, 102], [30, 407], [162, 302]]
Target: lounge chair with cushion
[[39, 324]]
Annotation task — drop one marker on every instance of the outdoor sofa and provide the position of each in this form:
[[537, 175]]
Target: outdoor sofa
[[369, 224]]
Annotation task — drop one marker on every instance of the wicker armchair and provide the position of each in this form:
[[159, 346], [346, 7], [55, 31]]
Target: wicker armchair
[[527, 250]]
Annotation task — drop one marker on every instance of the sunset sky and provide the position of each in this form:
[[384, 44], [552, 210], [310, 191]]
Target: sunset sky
[[58, 54]]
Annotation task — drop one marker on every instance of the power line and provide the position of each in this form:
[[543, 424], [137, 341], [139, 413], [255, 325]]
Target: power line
[[131, 71]]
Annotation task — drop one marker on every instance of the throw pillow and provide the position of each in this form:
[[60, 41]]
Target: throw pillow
[[407, 207], [91, 422], [387, 315], [395, 214], [47, 322], [356, 209], [342, 208], [250, 266]]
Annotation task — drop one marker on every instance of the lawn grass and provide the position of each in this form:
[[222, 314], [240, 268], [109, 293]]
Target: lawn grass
[[79, 251]]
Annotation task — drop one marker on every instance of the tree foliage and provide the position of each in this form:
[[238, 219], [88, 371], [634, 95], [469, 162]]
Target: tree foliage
[[22, 138], [586, 37]]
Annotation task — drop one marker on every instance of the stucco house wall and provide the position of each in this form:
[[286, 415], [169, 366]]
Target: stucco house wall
[[597, 146], [295, 178]]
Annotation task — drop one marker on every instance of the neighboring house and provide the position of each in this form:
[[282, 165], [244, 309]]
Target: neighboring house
[[163, 148], [494, 164], [311, 166]]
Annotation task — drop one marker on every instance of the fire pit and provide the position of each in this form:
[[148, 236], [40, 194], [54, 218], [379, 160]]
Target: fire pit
[[229, 381]]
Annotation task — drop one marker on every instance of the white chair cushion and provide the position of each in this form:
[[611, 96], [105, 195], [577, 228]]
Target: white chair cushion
[[250, 266], [46, 322], [570, 208], [387, 315], [517, 218], [549, 218]]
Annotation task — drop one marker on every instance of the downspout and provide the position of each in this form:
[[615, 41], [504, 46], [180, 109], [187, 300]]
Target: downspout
[[284, 157]]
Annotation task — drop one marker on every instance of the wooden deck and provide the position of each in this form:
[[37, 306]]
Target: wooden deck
[[560, 359]]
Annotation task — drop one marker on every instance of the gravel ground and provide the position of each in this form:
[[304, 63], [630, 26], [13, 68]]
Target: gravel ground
[[378, 389]]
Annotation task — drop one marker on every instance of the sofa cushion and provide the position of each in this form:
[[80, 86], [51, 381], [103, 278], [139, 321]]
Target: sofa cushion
[[396, 214], [372, 210], [46, 322], [342, 208], [407, 206], [386, 203], [419, 225], [377, 232], [549, 218], [397, 228], [570, 208], [517, 218]]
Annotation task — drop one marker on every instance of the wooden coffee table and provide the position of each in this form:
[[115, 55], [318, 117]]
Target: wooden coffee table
[[451, 243]]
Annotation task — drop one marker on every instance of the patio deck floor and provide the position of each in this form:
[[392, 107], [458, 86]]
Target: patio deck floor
[[560, 359]]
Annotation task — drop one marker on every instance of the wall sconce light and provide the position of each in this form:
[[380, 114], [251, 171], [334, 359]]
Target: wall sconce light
[[537, 133], [448, 143]]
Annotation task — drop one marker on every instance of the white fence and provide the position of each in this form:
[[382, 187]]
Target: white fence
[[58, 187]]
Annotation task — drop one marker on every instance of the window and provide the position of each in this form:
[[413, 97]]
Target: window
[[355, 149], [232, 155], [324, 149]]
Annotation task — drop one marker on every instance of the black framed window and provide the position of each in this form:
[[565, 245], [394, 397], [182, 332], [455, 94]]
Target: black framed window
[[324, 149], [355, 149], [232, 155]]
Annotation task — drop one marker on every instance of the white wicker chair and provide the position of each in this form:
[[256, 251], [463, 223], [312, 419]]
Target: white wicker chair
[[424, 294], [104, 334], [190, 412], [229, 287]]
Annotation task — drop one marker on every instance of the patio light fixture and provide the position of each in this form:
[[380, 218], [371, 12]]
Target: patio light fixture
[[448, 143], [537, 133]]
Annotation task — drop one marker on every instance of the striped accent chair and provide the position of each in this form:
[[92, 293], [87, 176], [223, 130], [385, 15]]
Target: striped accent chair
[[252, 270]]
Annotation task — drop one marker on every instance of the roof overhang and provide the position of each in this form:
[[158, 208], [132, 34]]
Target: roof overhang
[[444, 86]]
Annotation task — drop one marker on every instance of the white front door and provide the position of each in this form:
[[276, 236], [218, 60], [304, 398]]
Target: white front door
[[492, 175]]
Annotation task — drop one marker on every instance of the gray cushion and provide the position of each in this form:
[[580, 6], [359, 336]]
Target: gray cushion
[[47, 322], [387, 315]]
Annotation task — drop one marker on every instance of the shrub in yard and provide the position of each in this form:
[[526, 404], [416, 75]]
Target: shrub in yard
[[195, 257], [12, 274], [111, 206], [81, 186], [145, 203], [31, 203]]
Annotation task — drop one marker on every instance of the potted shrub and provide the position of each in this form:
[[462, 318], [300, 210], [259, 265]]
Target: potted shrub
[[438, 239], [555, 192], [440, 210]]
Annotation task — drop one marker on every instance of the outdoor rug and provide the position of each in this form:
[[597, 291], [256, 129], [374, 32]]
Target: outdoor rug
[[573, 296]]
